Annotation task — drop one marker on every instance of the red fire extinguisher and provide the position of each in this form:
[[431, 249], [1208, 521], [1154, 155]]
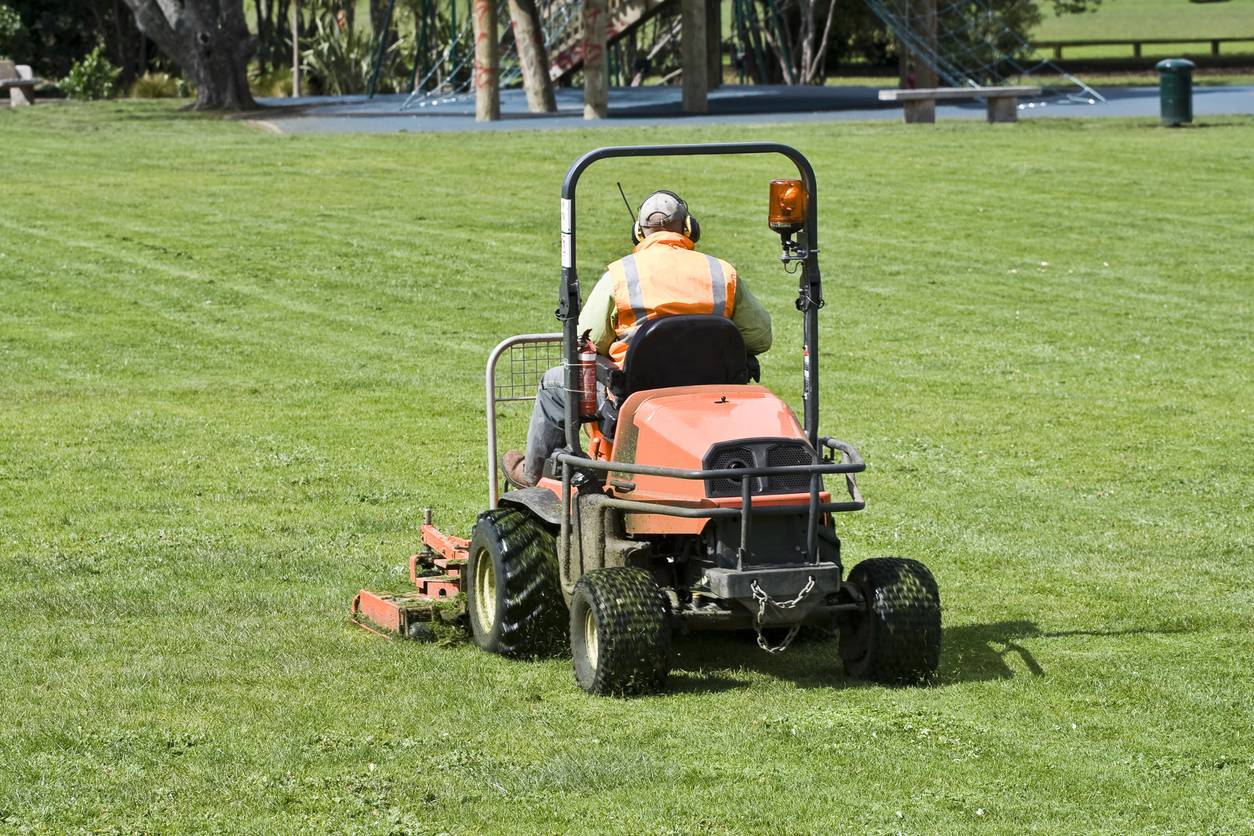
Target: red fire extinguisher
[[587, 376]]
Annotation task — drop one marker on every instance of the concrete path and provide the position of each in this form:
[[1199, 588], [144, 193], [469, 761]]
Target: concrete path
[[730, 104]]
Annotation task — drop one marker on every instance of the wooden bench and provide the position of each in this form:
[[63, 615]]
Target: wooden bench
[[920, 105], [19, 81]]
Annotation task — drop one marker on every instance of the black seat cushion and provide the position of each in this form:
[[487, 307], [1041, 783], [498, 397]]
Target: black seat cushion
[[684, 350]]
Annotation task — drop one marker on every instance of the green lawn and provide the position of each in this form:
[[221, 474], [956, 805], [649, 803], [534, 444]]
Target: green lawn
[[237, 366], [1129, 19]]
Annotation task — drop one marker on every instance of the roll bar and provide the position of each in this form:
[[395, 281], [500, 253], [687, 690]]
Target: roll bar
[[810, 290]]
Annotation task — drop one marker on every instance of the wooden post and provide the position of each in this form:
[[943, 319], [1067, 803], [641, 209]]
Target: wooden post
[[295, 48], [696, 66], [487, 63], [714, 41], [1003, 109], [532, 57], [914, 71], [919, 111], [924, 75], [596, 77]]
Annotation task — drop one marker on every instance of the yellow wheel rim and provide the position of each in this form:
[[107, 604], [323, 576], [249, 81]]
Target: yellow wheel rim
[[485, 592], [590, 637]]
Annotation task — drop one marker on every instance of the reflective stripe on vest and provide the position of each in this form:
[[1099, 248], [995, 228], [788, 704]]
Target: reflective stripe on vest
[[664, 277]]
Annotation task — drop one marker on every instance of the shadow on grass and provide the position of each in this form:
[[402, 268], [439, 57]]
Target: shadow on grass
[[710, 663], [979, 652]]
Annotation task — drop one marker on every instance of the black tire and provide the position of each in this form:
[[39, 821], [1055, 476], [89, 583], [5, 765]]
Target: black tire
[[897, 640], [513, 558], [620, 634]]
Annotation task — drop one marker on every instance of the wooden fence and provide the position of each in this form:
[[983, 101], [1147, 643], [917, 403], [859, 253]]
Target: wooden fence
[[1136, 43]]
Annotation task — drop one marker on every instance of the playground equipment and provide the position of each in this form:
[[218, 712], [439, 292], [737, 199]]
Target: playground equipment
[[697, 503], [970, 43], [955, 43]]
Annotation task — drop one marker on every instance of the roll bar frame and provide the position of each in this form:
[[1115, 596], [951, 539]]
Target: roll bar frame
[[810, 290], [809, 300]]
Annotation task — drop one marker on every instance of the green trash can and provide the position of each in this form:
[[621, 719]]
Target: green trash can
[[1175, 90]]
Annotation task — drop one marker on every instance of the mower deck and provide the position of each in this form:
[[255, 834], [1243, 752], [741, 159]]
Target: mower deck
[[436, 573]]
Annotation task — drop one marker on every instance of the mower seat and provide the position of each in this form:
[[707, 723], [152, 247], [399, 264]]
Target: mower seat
[[680, 350]]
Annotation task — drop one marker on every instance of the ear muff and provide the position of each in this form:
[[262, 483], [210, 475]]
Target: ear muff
[[692, 229]]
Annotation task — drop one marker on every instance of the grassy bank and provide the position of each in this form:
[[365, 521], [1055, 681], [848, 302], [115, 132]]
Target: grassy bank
[[237, 366]]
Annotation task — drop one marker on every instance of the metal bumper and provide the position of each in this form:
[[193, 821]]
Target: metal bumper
[[765, 596], [781, 583]]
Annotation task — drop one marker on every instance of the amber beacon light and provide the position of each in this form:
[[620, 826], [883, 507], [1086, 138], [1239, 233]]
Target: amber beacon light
[[788, 206]]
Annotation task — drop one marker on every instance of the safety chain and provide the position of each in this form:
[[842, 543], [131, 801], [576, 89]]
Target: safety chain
[[763, 599]]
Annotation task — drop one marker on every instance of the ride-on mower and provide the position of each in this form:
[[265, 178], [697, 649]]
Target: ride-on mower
[[697, 502]]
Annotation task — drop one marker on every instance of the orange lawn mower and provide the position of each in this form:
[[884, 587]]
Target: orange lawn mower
[[697, 502]]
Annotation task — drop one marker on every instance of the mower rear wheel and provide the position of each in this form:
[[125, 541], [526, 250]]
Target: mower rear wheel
[[620, 636], [897, 639], [513, 594]]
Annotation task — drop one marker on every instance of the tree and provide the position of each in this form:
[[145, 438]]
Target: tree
[[532, 57], [55, 34], [209, 40], [805, 39]]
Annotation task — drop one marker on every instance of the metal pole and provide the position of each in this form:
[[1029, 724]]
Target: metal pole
[[295, 49], [378, 55]]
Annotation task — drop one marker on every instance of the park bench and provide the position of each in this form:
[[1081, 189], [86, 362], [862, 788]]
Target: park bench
[[19, 81], [920, 105]]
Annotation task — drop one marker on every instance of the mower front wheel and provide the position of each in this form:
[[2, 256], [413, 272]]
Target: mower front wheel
[[513, 595], [620, 636], [896, 640]]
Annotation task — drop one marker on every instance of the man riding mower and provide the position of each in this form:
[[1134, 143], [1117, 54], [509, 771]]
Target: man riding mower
[[684, 497], [663, 276]]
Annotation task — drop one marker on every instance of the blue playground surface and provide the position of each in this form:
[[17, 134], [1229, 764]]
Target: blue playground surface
[[648, 106]]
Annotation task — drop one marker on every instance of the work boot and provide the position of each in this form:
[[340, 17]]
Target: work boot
[[515, 466]]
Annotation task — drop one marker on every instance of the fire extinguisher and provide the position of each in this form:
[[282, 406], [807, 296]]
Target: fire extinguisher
[[587, 376]]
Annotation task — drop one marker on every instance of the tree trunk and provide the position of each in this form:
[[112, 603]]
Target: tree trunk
[[487, 62], [695, 62], [534, 59], [209, 40], [596, 78]]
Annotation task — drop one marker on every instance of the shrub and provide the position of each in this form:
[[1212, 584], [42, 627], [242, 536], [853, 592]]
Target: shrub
[[339, 60], [92, 77], [13, 41], [156, 86], [276, 82]]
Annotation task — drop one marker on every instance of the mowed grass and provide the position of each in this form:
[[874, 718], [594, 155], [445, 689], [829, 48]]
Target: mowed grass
[[1131, 19], [236, 367]]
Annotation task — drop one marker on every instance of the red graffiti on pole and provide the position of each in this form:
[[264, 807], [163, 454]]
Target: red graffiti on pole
[[485, 73], [593, 51]]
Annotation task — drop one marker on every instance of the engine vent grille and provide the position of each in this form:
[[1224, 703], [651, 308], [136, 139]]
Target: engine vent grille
[[729, 457], [764, 452], [788, 455]]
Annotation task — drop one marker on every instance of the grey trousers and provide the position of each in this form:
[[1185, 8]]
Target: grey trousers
[[547, 430]]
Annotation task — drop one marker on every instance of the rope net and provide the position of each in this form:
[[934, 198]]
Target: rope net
[[974, 43]]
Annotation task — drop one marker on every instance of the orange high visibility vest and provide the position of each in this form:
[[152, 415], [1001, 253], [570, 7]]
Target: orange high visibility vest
[[664, 276]]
